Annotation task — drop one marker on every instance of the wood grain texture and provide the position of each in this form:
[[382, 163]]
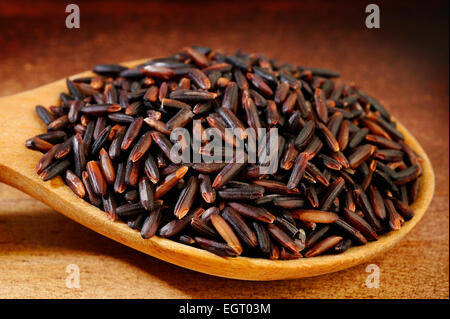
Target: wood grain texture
[[36, 244]]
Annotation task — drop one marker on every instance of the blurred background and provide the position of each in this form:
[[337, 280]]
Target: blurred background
[[413, 38], [404, 64]]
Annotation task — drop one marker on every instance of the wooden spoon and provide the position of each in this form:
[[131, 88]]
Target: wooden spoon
[[17, 163]]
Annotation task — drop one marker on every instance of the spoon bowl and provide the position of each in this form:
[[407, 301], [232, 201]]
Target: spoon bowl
[[17, 168]]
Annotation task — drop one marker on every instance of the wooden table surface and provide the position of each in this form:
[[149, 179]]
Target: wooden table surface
[[404, 64]]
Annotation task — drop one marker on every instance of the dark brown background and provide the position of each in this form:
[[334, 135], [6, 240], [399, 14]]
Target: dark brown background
[[404, 64]]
